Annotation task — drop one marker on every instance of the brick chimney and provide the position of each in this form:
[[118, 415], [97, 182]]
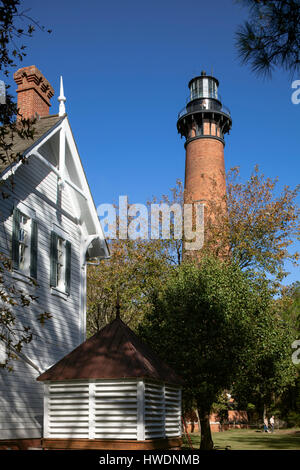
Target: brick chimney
[[34, 92]]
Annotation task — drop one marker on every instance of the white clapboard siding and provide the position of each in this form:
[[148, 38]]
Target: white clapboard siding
[[115, 409], [172, 411], [21, 406], [21, 395], [154, 410], [68, 410]]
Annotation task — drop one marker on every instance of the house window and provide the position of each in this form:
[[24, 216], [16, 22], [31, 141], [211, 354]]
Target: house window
[[3, 352], [60, 263], [24, 244], [24, 238]]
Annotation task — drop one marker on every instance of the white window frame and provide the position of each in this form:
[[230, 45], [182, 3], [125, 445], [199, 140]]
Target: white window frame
[[61, 280], [25, 227], [3, 352], [30, 214], [60, 288]]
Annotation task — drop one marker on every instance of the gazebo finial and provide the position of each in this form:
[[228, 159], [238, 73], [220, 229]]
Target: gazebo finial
[[61, 99], [118, 306]]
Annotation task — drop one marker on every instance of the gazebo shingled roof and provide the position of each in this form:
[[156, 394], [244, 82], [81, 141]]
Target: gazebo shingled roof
[[115, 352]]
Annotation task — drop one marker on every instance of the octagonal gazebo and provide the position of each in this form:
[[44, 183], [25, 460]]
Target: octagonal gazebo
[[111, 392]]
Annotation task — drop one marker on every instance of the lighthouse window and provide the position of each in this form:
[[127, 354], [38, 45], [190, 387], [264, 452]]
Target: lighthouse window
[[205, 89], [200, 89], [212, 89]]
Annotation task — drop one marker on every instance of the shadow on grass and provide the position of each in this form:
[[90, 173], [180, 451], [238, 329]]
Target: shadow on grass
[[251, 440]]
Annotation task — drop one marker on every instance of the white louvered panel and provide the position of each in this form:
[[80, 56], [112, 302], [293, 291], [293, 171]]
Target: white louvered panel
[[172, 411], [105, 409], [115, 409], [154, 410], [68, 410]]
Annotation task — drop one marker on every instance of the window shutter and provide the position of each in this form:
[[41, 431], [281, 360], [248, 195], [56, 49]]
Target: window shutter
[[53, 260], [33, 248], [68, 267], [15, 239]]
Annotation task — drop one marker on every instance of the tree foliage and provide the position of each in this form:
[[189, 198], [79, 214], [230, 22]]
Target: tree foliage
[[259, 228], [15, 26], [268, 371], [133, 269], [262, 223], [209, 322], [271, 37], [287, 306]]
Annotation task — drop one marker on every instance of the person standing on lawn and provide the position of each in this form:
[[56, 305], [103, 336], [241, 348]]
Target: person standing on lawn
[[272, 422], [266, 428]]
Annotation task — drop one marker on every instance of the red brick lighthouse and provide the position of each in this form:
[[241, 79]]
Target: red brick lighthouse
[[203, 122]]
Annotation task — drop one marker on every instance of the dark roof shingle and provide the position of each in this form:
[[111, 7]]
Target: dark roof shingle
[[115, 352], [41, 127]]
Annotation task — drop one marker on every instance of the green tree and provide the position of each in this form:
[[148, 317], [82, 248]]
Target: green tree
[[268, 371], [288, 308], [207, 322], [271, 37]]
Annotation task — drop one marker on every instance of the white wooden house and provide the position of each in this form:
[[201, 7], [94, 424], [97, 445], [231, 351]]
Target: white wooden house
[[50, 228]]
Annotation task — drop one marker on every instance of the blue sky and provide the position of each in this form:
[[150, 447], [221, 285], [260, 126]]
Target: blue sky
[[126, 66]]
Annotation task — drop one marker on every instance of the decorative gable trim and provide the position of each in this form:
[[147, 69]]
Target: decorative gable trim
[[80, 195]]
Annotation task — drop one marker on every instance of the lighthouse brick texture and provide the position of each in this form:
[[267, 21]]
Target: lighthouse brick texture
[[204, 171], [34, 93]]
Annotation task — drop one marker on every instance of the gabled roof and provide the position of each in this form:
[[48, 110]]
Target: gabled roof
[[115, 352], [41, 127], [47, 128]]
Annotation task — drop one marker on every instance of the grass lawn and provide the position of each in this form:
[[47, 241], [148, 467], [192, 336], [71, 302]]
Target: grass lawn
[[249, 439]]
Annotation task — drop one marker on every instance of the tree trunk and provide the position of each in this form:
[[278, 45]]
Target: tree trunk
[[206, 442], [199, 425], [264, 412], [265, 426]]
